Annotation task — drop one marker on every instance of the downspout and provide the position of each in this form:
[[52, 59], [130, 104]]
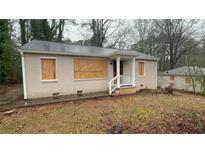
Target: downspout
[[24, 78], [156, 74], [134, 71]]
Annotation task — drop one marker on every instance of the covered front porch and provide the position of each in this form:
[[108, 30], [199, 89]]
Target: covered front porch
[[124, 73]]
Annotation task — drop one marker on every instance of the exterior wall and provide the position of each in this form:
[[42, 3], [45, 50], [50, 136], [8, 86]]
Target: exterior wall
[[179, 83], [149, 80], [65, 83]]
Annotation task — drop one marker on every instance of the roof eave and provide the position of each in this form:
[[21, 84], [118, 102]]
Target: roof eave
[[84, 55], [58, 53]]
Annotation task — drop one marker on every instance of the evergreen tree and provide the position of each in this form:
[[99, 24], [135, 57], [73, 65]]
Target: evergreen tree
[[42, 30], [25, 30], [7, 59]]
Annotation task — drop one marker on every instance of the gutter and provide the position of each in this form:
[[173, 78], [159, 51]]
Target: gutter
[[60, 53]]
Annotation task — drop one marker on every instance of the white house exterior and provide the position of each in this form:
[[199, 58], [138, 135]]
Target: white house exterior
[[181, 78], [56, 68]]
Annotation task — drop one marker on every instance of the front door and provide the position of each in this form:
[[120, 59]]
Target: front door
[[115, 68]]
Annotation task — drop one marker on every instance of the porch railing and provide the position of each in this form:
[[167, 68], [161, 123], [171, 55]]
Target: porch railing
[[125, 79], [113, 84]]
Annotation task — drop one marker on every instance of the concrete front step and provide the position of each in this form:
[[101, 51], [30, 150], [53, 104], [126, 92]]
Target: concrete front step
[[124, 91]]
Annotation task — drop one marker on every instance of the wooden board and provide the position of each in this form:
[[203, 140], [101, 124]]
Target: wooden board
[[87, 68], [188, 80], [48, 69], [141, 68], [125, 91], [172, 78]]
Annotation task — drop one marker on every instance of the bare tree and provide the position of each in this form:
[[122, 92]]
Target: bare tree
[[102, 30], [121, 39], [60, 27], [191, 70], [106, 29], [180, 36], [144, 29], [196, 73]]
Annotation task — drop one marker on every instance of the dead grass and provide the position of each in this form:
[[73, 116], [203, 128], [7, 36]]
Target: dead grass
[[142, 113], [3, 90]]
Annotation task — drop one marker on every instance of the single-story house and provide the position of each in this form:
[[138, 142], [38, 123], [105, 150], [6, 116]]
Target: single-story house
[[51, 68], [181, 78]]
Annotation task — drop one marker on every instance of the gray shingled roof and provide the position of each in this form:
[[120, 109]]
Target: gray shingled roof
[[36, 46], [184, 71]]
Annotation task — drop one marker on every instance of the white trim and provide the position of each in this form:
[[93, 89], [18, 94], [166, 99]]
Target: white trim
[[24, 76], [47, 57], [110, 85], [156, 75], [52, 80], [141, 76], [118, 71], [133, 71]]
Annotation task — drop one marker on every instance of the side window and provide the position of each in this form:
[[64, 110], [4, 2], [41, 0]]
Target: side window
[[188, 80], [48, 69], [172, 78], [141, 69]]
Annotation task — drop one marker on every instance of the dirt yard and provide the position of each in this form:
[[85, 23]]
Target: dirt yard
[[9, 94], [140, 113]]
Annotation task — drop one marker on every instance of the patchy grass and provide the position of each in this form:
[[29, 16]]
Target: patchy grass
[[141, 113]]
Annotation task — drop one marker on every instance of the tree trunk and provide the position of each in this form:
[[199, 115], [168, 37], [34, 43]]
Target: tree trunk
[[23, 31]]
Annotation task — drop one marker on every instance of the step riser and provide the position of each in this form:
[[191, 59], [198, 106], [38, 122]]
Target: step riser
[[126, 91]]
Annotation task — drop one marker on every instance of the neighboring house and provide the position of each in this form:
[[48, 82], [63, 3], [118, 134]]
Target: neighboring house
[[181, 78], [51, 68]]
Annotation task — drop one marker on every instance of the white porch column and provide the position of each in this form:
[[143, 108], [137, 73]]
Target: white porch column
[[133, 71], [118, 71]]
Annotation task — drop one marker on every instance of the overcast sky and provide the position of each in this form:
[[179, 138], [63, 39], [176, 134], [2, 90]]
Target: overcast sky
[[76, 32]]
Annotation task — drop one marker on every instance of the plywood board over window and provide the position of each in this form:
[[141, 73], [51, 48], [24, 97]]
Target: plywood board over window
[[48, 69], [172, 78], [85, 68], [141, 68], [188, 80]]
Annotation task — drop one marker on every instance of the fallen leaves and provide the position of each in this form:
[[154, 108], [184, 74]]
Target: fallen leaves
[[144, 113]]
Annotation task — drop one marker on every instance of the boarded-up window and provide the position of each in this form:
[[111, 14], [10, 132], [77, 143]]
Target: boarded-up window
[[48, 69], [141, 68], [85, 68], [172, 78], [188, 80]]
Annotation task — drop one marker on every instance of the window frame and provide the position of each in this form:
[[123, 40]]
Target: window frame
[[41, 73], [144, 69]]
